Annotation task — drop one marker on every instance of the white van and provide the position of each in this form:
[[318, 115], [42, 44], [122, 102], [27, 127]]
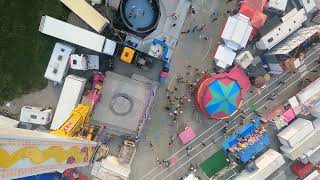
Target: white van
[[35, 115]]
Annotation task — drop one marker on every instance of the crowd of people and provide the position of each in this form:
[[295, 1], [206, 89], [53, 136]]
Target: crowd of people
[[244, 142]]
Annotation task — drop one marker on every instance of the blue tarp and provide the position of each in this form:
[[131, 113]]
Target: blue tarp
[[242, 132], [252, 150], [248, 128]]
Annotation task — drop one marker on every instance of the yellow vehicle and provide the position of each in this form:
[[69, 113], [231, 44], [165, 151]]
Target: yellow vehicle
[[77, 123], [127, 55]]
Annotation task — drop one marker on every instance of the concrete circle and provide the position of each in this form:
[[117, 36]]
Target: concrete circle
[[121, 104]]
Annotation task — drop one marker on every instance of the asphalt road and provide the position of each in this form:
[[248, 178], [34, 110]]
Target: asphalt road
[[199, 152]]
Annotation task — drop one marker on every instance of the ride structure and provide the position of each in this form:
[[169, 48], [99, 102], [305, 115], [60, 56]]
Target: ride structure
[[25, 152], [247, 142]]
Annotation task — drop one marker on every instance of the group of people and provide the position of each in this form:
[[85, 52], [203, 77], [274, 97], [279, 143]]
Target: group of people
[[165, 163], [244, 142], [175, 103]]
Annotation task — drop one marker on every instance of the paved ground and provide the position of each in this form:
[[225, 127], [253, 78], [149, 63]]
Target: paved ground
[[191, 50]]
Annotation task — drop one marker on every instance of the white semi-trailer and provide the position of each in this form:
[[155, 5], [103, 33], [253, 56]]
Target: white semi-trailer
[[69, 98], [76, 35]]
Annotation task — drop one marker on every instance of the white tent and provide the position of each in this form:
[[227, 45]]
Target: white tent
[[237, 31], [244, 59], [224, 56]]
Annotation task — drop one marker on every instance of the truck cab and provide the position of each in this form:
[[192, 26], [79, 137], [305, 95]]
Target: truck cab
[[84, 62], [127, 55]]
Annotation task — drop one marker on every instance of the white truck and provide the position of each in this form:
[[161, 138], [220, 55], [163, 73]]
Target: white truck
[[69, 98], [266, 164], [84, 62], [76, 35]]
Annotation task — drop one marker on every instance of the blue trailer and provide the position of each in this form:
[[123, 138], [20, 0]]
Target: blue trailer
[[246, 149]]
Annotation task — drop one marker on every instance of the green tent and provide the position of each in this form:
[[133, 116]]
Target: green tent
[[215, 163]]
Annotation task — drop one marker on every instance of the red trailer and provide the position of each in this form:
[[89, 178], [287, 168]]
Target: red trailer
[[302, 170]]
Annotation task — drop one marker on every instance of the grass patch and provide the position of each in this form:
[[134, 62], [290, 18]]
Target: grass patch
[[25, 52]]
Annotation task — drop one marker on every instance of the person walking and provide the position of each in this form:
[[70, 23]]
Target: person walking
[[203, 144], [194, 28], [201, 27], [214, 19], [185, 32]]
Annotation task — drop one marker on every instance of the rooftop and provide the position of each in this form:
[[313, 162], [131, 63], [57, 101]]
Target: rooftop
[[124, 105]]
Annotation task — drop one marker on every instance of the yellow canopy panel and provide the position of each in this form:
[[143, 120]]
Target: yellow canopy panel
[[127, 55], [87, 13]]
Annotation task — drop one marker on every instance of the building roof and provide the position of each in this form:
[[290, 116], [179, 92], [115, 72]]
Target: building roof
[[244, 59], [295, 39], [257, 18], [308, 5], [237, 31], [241, 77], [290, 23], [247, 10], [124, 105], [312, 91], [219, 95], [219, 98]]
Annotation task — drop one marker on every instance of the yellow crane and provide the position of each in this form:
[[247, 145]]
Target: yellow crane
[[77, 123]]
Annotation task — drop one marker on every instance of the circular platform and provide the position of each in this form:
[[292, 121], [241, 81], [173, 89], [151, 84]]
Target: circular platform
[[218, 97], [140, 16], [121, 104]]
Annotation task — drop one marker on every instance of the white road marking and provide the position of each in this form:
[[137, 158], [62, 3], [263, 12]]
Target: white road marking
[[209, 48], [229, 129], [214, 125], [174, 76]]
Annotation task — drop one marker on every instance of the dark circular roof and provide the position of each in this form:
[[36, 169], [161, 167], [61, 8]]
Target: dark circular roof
[[140, 15]]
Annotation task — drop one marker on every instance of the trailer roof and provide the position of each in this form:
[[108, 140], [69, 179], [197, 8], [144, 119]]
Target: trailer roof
[[68, 32], [87, 13]]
